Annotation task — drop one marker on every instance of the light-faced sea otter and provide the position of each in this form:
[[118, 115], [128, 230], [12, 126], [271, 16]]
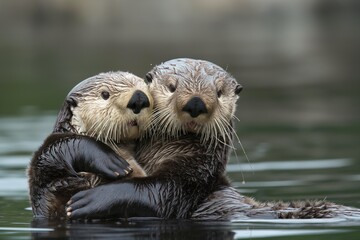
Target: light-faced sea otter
[[92, 141]]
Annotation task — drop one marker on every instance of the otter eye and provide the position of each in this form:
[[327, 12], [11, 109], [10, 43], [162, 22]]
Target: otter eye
[[105, 95], [149, 77], [172, 88], [219, 93], [238, 89]]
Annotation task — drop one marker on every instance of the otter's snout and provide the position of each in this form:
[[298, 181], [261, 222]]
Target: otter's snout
[[195, 107], [138, 101]]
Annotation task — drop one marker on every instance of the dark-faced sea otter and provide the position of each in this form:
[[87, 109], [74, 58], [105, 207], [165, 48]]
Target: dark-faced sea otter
[[184, 154], [92, 141]]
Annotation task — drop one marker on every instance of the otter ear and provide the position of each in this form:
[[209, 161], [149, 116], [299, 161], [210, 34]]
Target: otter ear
[[149, 77], [63, 120], [238, 89], [71, 101]]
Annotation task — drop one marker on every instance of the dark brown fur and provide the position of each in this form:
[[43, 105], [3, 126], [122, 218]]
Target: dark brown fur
[[228, 204], [51, 189], [75, 157]]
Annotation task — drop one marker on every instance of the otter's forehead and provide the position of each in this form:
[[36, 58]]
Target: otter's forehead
[[198, 71], [116, 81]]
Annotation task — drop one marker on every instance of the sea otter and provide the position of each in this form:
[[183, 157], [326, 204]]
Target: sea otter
[[92, 141], [184, 155], [184, 152]]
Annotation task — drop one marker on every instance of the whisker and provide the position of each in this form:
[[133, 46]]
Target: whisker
[[236, 118]]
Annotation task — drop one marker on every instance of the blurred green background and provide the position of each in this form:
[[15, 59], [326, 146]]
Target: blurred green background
[[298, 60]]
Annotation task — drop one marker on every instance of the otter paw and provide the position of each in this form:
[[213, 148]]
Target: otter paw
[[100, 202], [86, 204]]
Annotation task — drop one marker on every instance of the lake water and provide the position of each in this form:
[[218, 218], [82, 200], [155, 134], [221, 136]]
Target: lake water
[[276, 178]]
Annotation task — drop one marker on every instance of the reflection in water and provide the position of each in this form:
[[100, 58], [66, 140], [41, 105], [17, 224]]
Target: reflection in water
[[180, 229], [177, 229], [289, 165], [250, 234]]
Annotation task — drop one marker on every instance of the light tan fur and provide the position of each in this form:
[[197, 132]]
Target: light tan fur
[[205, 82], [110, 121]]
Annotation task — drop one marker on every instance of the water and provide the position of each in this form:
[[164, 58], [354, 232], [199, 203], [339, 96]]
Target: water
[[298, 62], [336, 179]]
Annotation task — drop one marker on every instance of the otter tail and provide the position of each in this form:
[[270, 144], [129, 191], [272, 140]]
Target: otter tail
[[228, 204]]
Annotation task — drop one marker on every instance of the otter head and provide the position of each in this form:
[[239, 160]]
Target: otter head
[[193, 96], [113, 106]]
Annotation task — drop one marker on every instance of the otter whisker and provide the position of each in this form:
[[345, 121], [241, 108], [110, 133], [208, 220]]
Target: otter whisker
[[146, 124], [225, 131], [217, 128], [116, 132], [122, 129], [241, 145], [112, 144], [228, 129], [235, 117], [100, 131], [107, 130], [113, 132], [166, 123], [103, 130], [94, 128], [212, 135]]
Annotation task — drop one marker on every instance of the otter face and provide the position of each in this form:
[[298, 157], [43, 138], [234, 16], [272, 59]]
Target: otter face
[[193, 96], [112, 107]]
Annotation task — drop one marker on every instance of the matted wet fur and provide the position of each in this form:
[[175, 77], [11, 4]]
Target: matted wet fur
[[185, 151], [93, 136], [228, 204], [185, 154]]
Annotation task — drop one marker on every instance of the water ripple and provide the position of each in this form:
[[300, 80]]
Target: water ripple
[[289, 165]]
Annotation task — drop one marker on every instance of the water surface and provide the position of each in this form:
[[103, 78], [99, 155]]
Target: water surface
[[335, 179]]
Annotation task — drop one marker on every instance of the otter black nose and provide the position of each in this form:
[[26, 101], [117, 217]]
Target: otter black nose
[[138, 101], [195, 107]]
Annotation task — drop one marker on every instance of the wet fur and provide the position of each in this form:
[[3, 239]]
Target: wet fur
[[193, 78], [193, 160], [201, 78], [228, 204], [52, 181], [184, 164]]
